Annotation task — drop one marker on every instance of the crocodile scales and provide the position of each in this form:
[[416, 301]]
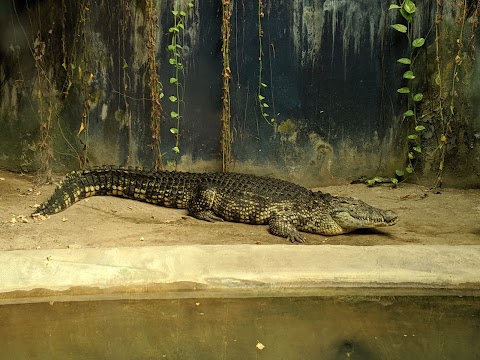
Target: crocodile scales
[[286, 207]]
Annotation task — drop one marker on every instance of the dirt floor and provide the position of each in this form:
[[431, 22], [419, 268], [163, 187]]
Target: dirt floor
[[445, 216]]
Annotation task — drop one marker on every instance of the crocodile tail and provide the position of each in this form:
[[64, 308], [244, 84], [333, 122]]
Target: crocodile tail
[[74, 187], [165, 188]]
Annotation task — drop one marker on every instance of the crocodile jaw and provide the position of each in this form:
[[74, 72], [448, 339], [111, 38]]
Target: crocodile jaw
[[349, 220]]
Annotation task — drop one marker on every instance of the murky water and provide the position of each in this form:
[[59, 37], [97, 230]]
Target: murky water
[[382, 327]]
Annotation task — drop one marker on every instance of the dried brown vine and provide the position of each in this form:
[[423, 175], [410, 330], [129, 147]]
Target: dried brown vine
[[154, 83], [226, 139]]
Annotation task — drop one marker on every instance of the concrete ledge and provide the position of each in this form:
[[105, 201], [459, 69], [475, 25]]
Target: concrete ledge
[[241, 267]]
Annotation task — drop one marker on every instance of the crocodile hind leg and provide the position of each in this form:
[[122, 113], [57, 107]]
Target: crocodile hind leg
[[284, 225], [202, 203]]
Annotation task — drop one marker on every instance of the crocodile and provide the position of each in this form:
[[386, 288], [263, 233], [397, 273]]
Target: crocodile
[[286, 207]]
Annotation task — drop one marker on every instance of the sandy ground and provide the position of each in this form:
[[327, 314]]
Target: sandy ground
[[445, 216]]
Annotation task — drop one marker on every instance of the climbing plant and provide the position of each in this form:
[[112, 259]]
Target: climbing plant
[[176, 49], [226, 139], [156, 88], [407, 9], [47, 106], [261, 84], [453, 70]]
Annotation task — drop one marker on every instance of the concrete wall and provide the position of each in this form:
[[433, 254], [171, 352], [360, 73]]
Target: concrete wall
[[78, 70]]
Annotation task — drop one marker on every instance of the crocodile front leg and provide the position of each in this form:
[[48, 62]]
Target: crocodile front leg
[[201, 204], [284, 225]]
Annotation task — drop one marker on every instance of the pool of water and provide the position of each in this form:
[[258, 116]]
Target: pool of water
[[324, 327]]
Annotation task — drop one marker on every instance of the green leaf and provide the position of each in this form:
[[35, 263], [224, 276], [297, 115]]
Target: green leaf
[[181, 26], [175, 149], [394, 6], [175, 12], [399, 173], [405, 61], [406, 15], [260, 97], [418, 97], [265, 115], [174, 130], [172, 61], [172, 98], [173, 115], [263, 85], [265, 105], [272, 120], [179, 47], [173, 29], [419, 128], [394, 181], [171, 47], [125, 65], [418, 42], [408, 75], [412, 137], [183, 13], [411, 156], [409, 6], [418, 149], [404, 90], [173, 80], [409, 169], [399, 27], [370, 182], [190, 5], [408, 113]]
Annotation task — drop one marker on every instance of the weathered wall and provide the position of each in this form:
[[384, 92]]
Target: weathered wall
[[329, 67]]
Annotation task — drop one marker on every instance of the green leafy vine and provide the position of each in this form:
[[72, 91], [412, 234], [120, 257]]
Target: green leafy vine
[[261, 85], [407, 9], [175, 60]]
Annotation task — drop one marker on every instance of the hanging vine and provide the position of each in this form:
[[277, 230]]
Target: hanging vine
[[447, 75], [407, 9], [85, 77], [261, 85], [45, 92], [175, 47], [156, 88], [226, 140]]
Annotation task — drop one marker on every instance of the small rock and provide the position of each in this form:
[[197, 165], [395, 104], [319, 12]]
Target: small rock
[[259, 345], [22, 219], [142, 238], [1, 179], [64, 219]]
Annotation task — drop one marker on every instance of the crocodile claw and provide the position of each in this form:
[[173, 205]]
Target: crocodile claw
[[206, 215], [296, 238]]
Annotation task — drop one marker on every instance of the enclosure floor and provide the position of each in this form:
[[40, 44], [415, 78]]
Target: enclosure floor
[[443, 217]]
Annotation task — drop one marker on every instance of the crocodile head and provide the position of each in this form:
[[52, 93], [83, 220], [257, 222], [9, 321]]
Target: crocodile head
[[345, 214]]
